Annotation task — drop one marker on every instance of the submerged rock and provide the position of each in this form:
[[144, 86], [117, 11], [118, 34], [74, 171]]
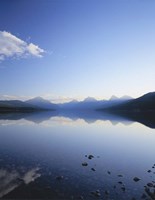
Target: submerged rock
[[136, 179], [90, 156], [150, 184], [106, 192], [93, 169], [149, 171], [123, 188], [120, 175], [96, 193], [84, 164], [108, 172]]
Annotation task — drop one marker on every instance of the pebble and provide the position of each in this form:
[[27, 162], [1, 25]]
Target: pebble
[[106, 192], [90, 156], [150, 184], [96, 193], [123, 188], [108, 172], [93, 169], [149, 171], [136, 179], [84, 164]]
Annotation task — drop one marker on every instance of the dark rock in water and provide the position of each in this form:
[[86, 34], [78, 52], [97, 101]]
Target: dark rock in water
[[147, 190], [120, 182], [84, 164], [90, 156], [149, 171], [150, 184], [123, 188], [93, 169], [106, 192], [59, 178], [120, 175], [96, 193], [136, 179], [108, 172]]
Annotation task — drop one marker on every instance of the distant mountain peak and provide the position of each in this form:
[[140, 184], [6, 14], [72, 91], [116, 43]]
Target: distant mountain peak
[[113, 97], [126, 97], [38, 99], [89, 99], [41, 102], [74, 101]]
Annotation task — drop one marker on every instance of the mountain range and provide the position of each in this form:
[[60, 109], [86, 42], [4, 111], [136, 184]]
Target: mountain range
[[114, 104], [91, 103], [36, 104], [145, 103]]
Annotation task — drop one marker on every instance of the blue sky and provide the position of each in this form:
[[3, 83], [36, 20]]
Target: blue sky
[[77, 48]]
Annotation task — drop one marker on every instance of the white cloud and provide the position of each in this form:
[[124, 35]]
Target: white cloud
[[12, 47], [35, 50]]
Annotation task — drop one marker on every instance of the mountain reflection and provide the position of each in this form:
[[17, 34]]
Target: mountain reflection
[[89, 116]]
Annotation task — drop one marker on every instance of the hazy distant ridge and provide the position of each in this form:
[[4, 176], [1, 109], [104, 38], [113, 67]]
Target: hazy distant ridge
[[126, 103], [42, 103], [143, 103]]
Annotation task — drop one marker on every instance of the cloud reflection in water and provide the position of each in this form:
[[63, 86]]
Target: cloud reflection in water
[[9, 180]]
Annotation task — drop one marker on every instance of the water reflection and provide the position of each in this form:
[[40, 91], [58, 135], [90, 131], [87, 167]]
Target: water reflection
[[76, 155], [126, 118], [10, 180]]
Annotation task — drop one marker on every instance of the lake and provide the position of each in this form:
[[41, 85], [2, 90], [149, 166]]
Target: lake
[[75, 155]]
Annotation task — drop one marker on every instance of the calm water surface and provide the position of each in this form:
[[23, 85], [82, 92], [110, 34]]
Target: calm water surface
[[41, 157]]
